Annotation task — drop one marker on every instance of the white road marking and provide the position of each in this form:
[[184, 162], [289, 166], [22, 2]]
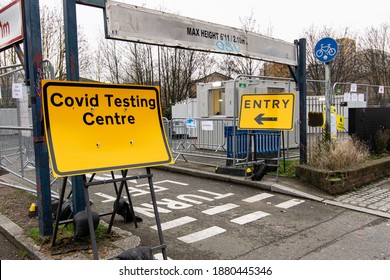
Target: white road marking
[[289, 203], [201, 235], [220, 209], [107, 176], [257, 197], [249, 218], [30, 167], [159, 256], [109, 198], [217, 195], [163, 182], [175, 223]]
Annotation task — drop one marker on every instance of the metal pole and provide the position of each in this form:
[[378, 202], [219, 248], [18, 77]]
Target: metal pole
[[60, 202], [302, 100], [72, 74], [33, 73], [19, 52], [156, 214], [235, 117], [328, 96], [91, 227]]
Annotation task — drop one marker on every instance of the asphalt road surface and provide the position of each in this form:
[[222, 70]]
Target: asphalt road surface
[[9, 251], [208, 219]]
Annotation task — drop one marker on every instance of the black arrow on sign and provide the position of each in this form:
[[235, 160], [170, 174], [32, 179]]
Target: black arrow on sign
[[260, 119]]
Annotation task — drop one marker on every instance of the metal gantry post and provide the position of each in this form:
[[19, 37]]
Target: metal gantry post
[[72, 74], [328, 96], [302, 100], [34, 70]]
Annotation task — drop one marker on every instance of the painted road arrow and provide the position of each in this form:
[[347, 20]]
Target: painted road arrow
[[260, 119]]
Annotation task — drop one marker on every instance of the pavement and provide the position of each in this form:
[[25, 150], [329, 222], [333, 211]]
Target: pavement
[[373, 199]]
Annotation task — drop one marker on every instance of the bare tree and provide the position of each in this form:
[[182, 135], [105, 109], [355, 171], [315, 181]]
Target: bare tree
[[375, 55], [233, 65], [206, 63], [8, 58], [53, 41], [112, 52], [95, 70], [177, 67], [53, 46], [139, 66]]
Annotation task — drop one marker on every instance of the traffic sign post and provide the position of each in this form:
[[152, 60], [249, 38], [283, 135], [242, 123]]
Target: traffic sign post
[[267, 111], [325, 50]]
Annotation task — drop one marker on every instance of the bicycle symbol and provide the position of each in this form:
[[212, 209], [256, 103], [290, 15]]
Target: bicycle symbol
[[325, 50]]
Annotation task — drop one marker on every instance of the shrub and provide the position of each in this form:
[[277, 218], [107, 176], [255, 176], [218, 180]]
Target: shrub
[[338, 153], [382, 138]]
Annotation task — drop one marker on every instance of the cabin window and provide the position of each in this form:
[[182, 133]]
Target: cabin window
[[217, 102]]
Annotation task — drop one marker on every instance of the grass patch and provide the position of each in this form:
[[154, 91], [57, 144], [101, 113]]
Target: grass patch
[[338, 153], [101, 232], [23, 254], [36, 237], [66, 231], [286, 168]]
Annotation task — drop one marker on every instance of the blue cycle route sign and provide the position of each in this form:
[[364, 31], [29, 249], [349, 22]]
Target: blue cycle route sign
[[326, 49]]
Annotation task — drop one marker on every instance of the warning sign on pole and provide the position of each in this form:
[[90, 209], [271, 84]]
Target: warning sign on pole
[[92, 127]]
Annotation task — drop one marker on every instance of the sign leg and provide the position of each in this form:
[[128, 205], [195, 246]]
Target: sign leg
[[155, 208], [124, 174], [90, 222], [116, 203], [61, 201]]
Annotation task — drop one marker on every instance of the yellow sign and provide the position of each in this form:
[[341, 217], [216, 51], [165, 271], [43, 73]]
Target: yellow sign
[[340, 120], [267, 111], [92, 127], [340, 123], [337, 121]]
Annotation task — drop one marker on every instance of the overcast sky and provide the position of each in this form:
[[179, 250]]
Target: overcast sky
[[286, 18]]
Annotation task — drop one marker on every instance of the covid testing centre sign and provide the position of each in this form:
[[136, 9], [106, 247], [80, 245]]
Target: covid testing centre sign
[[92, 127]]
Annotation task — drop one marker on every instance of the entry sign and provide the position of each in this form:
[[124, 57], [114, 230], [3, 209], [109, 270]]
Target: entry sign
[[267, 111], [93, 127], [326, 49]]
